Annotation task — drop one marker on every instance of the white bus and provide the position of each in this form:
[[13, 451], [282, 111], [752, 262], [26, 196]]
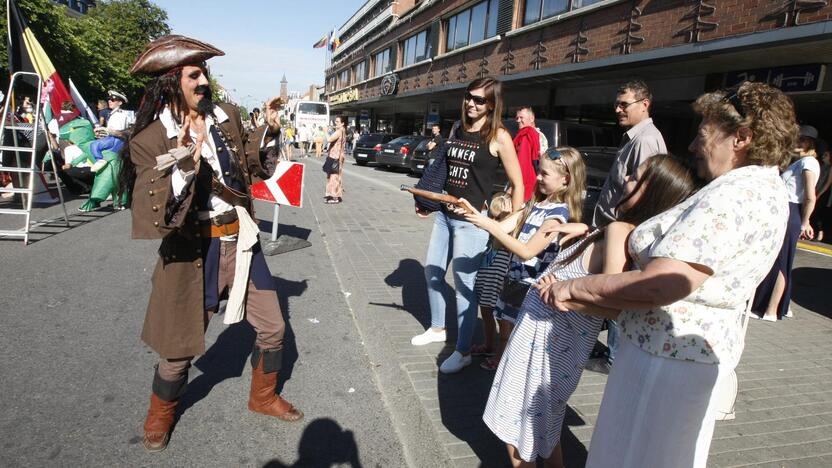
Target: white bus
[[310, 115]]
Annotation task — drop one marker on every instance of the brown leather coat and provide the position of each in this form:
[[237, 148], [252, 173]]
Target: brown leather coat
[[256, 147], [174, 325]]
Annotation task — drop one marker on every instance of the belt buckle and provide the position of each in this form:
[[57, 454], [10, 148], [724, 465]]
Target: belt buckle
[[216, 221]]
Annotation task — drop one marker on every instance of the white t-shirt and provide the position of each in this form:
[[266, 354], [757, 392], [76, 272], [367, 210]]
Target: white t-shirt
[[120, 120], [793, 177]]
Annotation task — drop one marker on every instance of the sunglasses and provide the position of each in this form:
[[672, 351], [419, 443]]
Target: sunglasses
[[555, 155], [113, 98], [478, 100], [734, 99], [623, 105]]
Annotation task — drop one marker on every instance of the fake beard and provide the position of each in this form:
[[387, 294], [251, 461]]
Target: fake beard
[[205, 106]]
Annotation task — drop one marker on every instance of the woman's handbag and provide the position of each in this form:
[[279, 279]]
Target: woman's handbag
[[726, 390], [433, 179], [331, 165], [514, 292]]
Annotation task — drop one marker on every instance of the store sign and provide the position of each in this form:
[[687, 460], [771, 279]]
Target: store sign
[[345, 96], [794, 79], [389, 84]]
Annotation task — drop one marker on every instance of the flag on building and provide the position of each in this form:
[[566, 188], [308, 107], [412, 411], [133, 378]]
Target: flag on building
[[27, 55], [334, 40], [322, 42]]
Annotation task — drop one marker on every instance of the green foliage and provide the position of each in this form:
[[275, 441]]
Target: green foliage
[[97, 49], [243, 113]]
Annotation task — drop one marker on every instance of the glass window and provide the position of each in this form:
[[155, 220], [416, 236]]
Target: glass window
[[553, 7], [382, 62], [493, 12], [578, 137], [360, 71], [532, 13], [311, 108], [582, 3], [473, 25], [449, 44], [478, 14], [345, 77], [414, 48]]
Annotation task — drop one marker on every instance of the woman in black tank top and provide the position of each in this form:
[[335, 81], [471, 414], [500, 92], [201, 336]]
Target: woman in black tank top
[[474, 153]]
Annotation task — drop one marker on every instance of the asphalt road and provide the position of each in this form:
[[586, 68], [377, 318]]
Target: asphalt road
[[76, 377]]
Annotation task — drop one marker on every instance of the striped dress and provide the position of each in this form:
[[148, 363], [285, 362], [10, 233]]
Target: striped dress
[[490, 278], [541, 366]]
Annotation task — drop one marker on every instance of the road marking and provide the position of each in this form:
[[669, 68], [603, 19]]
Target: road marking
[[826, 252]]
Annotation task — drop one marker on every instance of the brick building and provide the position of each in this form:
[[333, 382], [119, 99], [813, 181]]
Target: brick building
[[402, 64]]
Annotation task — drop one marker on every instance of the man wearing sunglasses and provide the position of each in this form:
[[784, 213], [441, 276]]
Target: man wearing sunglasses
[[641, 141], [113, 136]]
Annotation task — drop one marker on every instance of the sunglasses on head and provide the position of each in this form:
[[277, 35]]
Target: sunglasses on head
[[478, 100], [734, 99], [555, 155]]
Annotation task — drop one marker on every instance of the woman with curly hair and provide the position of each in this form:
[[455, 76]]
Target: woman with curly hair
[[695, 267]]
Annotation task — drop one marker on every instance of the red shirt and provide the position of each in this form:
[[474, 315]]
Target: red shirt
[[527, 145]]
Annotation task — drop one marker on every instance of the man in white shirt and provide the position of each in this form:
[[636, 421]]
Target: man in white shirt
[[112, 137]]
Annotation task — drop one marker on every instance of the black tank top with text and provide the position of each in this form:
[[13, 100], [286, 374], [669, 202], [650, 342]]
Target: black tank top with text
[[472, 169]]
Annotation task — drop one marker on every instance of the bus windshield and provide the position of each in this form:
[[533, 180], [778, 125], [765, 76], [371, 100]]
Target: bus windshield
[[314, 108]]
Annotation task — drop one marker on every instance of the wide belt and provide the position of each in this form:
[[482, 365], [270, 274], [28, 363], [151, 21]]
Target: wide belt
[[226, 224]]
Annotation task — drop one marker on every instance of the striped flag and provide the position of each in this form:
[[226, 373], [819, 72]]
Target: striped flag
[[334, 40], [26, 54], [321, 43], [81, 104]]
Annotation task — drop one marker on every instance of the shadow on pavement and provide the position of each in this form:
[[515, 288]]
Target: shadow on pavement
[[323, 444], [410, 277], [462, 400], [227, 357], [282, 230], [44, 229], [809, 289]]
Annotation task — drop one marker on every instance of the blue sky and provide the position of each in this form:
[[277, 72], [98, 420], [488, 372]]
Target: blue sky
[[262, 40]]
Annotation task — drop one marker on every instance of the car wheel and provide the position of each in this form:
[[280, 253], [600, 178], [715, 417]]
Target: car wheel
[[360, 163]]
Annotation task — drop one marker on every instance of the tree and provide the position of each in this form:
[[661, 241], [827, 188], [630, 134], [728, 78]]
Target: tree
[[97, 49]]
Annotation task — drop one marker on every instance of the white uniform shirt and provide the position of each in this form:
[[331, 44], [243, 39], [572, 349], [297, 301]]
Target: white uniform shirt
[[120, 120]]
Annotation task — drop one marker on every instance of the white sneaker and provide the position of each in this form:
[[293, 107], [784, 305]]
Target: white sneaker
[[455, 363], [429, 336]]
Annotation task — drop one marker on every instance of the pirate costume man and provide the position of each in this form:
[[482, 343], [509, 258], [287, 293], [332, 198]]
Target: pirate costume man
[[189, 175]]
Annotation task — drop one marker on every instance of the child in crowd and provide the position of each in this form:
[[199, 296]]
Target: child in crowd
[[557, 199], [489, 281], [544, 360]]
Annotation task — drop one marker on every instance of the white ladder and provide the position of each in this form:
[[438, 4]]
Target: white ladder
[[22, 79]]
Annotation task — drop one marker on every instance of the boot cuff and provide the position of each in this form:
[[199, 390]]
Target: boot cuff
[[169, 390], [272, 359]]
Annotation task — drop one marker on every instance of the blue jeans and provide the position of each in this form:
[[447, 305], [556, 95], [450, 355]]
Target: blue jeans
[[107, 143], [462, 245]]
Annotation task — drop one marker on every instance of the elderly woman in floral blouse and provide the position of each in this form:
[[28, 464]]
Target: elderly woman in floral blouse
[[695, 266]]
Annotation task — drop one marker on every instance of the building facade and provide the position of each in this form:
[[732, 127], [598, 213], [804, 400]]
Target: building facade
[[77, 7], [403, 64]]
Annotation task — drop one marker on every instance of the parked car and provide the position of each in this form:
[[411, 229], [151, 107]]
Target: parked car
[[368, 146], [399, 152], [420, 157]]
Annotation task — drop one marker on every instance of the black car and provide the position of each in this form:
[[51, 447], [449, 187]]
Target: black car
[[368, 145], [420, 157], [399, 152]]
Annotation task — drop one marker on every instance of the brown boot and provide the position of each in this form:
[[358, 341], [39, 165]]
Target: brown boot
[[160, 416], [158, 424], [262, 398]]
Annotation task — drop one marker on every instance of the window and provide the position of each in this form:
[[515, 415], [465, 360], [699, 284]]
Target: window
[[360, 71], [345, 77], [472, 25], [416, 48], [537, 10], [382, 62]]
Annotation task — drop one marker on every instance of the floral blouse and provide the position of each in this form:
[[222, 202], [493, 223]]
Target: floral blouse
[[734, 226]]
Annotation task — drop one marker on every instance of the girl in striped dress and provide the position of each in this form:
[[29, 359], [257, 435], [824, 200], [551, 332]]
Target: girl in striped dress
[[545, 356], [529, 234]]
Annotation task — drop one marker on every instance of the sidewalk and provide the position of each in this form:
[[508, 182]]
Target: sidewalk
[[378, 247]]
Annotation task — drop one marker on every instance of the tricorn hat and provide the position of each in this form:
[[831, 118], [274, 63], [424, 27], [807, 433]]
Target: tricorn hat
[[169, 52]]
